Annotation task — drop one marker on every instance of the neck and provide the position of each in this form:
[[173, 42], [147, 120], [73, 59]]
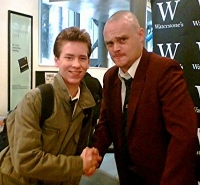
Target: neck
[[73, 90]]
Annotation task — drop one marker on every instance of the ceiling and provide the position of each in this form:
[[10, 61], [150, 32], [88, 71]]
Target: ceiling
[[97, 9]]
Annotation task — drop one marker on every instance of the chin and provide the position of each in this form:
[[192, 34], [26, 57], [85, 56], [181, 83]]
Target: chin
[[120, 63]]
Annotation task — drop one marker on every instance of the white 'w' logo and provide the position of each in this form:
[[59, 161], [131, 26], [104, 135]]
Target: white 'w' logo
[[199, 2], [169, 50], [168, 9], [198, 89], [198, 43]]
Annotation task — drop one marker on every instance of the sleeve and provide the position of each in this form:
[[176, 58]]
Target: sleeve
[[181, 123]]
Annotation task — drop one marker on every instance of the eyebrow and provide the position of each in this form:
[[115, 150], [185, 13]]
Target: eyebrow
[[69, 54], [117, 38]]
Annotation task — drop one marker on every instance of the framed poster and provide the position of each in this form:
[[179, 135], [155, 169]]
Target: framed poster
[[20, 33], [42, 77]]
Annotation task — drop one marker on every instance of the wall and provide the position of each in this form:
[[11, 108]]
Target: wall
[[30, 7]]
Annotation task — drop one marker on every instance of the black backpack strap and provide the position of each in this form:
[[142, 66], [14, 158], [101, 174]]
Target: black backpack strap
[[47, 93]]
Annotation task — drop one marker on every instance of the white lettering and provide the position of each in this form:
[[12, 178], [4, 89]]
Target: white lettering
[[198, 89], [196, 66], [169, 26], [199, 2], [197, 22], [198, 43], [169, 50], [169, 8]]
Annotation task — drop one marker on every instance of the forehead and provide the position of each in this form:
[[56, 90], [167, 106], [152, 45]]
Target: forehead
[[116, 29], [74, 47]]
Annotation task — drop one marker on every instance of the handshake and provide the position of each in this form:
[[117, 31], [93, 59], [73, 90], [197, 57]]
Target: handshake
[[91, 160]]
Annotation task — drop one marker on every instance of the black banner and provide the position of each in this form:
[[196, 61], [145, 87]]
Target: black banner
[[176, 34]]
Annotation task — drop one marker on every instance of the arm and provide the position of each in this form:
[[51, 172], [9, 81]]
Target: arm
[[180, 121]]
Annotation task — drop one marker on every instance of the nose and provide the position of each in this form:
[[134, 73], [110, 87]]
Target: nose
[[76, 62], [116, 47]]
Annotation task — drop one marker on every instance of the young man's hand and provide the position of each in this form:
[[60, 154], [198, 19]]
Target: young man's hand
[[91, 160]]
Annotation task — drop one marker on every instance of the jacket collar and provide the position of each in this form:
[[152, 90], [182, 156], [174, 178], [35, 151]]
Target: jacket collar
[[85, 100]]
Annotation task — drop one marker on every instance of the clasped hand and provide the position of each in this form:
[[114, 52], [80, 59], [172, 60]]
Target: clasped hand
[[91, 160]]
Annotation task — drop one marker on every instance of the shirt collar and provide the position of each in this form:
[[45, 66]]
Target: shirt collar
[[77, 95]]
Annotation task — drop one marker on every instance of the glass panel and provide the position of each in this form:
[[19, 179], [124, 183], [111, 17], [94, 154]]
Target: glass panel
[[54, 18], [149, 28]]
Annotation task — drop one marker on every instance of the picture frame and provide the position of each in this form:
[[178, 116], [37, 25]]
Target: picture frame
[[20, 46], [42, 77]]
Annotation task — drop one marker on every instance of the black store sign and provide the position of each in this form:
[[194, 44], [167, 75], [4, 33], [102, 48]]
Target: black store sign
[[176, 34]]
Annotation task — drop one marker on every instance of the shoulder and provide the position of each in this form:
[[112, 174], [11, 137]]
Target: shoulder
[[162, 61], [112, 72], [91, 80], [32, 94], [31, 99], [157, 65]]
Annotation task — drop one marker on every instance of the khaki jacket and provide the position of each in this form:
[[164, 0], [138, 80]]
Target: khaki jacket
[[49, 154]]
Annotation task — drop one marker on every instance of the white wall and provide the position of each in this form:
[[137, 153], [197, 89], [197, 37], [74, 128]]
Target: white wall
[[30, 7]]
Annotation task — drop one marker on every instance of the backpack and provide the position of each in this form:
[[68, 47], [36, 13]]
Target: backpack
[[47, 94], [95, 88]]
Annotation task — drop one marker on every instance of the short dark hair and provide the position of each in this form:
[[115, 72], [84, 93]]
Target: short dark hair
[[72, 34]]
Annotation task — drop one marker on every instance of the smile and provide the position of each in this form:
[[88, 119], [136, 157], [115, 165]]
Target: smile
[[75, 72]]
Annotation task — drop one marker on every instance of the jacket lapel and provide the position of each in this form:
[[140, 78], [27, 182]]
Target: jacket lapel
[[117, 101], [137, 87]]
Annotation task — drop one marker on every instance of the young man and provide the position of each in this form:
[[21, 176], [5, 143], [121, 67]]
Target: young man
[[156, 143], [53, 154]]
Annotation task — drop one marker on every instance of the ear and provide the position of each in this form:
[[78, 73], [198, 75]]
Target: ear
[[88, 63], [142, 34], [57, 61]]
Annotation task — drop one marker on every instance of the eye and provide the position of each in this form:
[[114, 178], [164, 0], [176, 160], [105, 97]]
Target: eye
[[83, 59], [123, 39], [109, 44], [69, 58]]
